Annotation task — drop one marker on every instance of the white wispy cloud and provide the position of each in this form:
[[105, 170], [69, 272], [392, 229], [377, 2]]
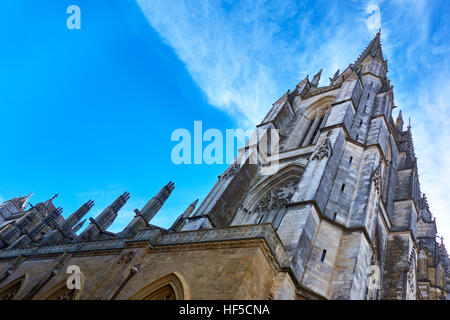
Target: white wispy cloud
[[244, 56], [373, 22], [431, 139], [419, 68]]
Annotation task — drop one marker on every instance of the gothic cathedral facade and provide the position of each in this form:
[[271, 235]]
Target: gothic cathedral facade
[[342, 218]]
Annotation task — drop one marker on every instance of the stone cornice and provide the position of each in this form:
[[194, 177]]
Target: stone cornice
[[260, 235], [344, 101], [318, 91], [201, 216], [372, 74]]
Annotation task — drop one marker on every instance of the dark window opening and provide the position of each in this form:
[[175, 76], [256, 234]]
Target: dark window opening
[[360, 123], [351, 159], [311, 141], [306, 132], [261, 219], [334, 216], [324, 253], [343, 187]]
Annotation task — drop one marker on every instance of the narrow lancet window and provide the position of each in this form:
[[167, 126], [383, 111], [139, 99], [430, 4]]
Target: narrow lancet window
[[324, 253], [311, 141], [306, 132]]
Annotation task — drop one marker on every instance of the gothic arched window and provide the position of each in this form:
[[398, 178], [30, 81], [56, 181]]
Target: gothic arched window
[[268, 198], [272, 206], [170, 287], [164, 293], [309, 120], [316, 121]]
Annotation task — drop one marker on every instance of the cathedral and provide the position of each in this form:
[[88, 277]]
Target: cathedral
[[343, 217]]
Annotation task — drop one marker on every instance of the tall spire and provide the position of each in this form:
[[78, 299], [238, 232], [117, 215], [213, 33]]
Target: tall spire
[[48, 205], [51, 199], [21, 202], [373, 49]]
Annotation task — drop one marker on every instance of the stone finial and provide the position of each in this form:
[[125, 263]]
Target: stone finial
[[335, 77], [399, 121], [181, 220], [155, 204], [75, 217], [21, 202], [35, 234], [78, 226], [151, 208], [107, 216], [102, 222], [316, 79]]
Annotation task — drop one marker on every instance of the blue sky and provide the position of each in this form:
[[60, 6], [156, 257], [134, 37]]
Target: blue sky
[[89, 113]]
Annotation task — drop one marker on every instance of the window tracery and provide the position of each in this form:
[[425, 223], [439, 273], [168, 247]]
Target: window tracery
[[272, 205]]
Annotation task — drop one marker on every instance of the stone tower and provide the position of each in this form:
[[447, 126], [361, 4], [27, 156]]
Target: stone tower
[[346, 198], [341, 217]]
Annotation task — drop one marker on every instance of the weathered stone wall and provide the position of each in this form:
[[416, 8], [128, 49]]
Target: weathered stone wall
[[397, 266]]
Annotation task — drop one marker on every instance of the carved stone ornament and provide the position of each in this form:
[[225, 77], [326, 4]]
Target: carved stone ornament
[[376, 176], [323, 111], [411, 285], [277, 197], [323, 150], [126, 258], [335, 77]]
